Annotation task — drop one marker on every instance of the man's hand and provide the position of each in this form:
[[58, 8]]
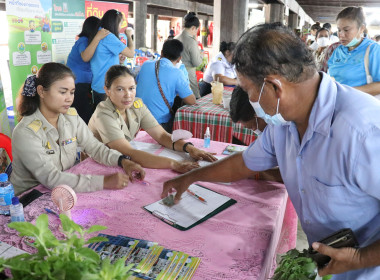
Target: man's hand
[[133, 170], [342, 259], [179, 184]]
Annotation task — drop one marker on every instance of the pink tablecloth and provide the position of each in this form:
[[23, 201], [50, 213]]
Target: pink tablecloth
[[239, 243]]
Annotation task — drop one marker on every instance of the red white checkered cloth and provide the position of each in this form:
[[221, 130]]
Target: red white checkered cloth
[[196, 118]]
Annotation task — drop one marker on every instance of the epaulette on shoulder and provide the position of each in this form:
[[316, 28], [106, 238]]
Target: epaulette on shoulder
[[35, 125], [138, 104], [72, 112]]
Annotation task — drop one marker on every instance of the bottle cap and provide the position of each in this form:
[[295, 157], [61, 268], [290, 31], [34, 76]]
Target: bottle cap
[[15, 200], [3, 177], [207, 130]]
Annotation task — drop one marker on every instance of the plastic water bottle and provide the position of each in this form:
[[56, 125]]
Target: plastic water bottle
[[6, 194], [17, 210], [207, 138]]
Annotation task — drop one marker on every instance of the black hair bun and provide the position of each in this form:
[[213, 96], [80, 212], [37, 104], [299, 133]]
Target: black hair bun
[[190, 16]]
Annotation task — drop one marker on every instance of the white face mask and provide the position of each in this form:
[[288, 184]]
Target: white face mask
[[323, 42], [257, 131], [276, 119]]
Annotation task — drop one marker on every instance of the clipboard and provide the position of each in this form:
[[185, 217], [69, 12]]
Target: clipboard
[[190, 211]]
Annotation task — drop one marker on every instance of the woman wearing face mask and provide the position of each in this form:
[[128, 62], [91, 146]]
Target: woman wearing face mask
[[191, 56], [323, 41], [347, 64], [220, 69]]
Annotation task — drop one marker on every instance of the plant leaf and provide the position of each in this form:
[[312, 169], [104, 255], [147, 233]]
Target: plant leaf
[[96, 239], [24, 228], [95, 228]]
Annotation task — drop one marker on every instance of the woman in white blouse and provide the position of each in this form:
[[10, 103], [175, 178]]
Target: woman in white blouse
[[220, 69]]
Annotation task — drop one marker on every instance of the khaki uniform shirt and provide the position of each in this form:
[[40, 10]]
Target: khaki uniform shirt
[[108, 125], [41, 153], [191, 55]]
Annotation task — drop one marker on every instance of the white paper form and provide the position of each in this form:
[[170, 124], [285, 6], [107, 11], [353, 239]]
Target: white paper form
[[146, 147], [7, 251], [190, 209], [178, 156]]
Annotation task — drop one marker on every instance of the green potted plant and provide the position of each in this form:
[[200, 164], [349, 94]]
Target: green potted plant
[[68, 258]]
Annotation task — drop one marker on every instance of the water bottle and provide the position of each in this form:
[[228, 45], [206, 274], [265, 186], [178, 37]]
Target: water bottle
[[6, 194], [17, 210], [207, 138]]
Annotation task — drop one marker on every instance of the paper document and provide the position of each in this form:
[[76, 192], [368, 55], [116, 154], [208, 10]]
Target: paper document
[[146, 147], [7, 251], [179, 156], [195, 206]]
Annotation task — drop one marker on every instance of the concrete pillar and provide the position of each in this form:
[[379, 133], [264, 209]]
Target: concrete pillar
[[274, 13], [153, 30], [293, 21], [230, 21], [204, 36], [139, 12]]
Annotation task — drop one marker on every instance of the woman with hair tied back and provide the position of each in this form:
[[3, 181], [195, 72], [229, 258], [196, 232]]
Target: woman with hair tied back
[[347, 64], [220, 69], [109, 52], [191, 56], [118, 119], [79, 62], [45, 141]]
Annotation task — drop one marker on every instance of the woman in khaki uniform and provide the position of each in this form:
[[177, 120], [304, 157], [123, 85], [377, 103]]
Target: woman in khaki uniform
[[44, 143], [191, 56], [117, 120]]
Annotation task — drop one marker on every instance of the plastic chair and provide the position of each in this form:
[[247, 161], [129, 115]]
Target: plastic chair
[[199, 75], [6, 144], [208, 55], [140, 60]]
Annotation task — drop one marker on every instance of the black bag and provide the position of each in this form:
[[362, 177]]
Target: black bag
[[177, 100]]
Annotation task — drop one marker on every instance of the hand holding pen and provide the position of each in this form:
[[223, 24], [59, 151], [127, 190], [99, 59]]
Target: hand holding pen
[[196, 196]]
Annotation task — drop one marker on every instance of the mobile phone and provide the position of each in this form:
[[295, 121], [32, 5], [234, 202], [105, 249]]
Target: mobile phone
[[342, 238], [29, 197]]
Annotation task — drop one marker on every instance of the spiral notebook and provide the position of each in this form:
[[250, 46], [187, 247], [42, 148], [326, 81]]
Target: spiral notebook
[[196, 206]]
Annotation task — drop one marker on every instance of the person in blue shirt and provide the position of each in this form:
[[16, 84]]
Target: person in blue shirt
[[173, 82], [108, 51], [323, 136], [346, 64], [79, 62]]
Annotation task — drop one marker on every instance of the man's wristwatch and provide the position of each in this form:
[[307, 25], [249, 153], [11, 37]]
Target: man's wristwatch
[[185, 146], [121, 158]]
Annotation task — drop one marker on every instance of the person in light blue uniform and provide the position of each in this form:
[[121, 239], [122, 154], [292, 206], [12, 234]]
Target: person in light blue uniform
[[346, 64], [79, 62], [172, 80], [323, 136], [109, 52]]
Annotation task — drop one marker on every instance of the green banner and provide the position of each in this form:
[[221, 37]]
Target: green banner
[[68, 9], [29, 23]]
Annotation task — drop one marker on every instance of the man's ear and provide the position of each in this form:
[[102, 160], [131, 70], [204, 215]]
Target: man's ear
[[275, 82]]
